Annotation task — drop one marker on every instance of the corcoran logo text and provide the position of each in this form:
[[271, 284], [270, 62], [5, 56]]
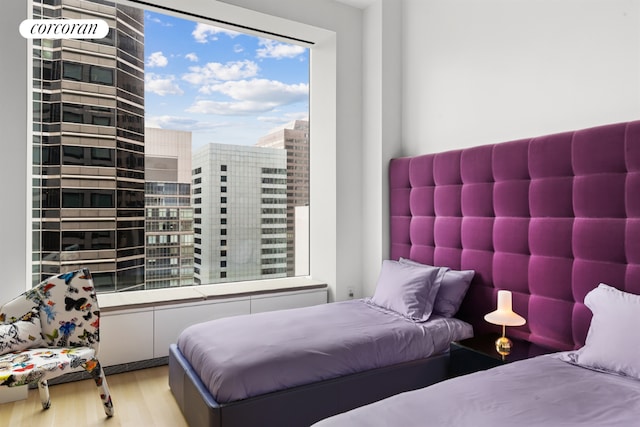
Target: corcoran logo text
[[64, 28]]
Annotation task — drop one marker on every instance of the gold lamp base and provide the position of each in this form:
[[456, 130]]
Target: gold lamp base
[[503, 346]]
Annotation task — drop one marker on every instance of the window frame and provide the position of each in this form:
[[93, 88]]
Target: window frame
[[323, 110]]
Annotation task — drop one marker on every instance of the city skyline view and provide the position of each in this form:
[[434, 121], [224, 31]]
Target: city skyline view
[[221, 85], [118, 123]]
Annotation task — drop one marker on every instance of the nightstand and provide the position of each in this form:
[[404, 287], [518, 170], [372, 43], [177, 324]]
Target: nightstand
[[479, 353]]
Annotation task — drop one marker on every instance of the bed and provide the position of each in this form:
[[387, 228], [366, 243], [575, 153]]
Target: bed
[[555, 220], [295, 367], [534, 392]]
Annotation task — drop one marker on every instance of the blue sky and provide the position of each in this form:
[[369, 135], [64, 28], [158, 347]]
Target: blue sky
[[224, 86]]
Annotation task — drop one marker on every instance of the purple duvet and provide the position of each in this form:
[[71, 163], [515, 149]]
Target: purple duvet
[[543, 391], [244, 356]]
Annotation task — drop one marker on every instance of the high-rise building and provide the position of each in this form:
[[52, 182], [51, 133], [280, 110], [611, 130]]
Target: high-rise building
[[88, 147], [169, 215], [239, 200], [294, 138]]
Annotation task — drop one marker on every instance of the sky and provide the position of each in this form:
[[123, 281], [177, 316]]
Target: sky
[[223, 86]]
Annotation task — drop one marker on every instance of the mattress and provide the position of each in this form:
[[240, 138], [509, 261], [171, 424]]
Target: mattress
[[535, 392], [245, 356]]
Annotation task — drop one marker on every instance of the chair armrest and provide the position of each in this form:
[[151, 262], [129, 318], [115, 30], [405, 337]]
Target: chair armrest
[[15, 308]]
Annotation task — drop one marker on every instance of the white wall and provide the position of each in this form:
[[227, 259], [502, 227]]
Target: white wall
[[13, 161], [382, 120], [478, 72]]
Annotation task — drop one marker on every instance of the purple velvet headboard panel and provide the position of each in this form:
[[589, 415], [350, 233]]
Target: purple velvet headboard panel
[[547, 218]]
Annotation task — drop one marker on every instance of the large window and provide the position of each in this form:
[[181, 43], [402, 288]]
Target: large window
[[170, 137]]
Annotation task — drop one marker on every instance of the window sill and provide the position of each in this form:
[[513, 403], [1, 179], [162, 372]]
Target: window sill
[[186, 294]]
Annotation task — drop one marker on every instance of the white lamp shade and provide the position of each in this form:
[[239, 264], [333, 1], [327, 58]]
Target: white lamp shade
[[504, 315]]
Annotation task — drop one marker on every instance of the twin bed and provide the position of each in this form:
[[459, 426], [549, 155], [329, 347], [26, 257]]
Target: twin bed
[[547, 218], [530, 393], [295, 367]]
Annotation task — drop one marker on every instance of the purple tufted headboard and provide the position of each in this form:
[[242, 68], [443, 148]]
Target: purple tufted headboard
[[548, 218]]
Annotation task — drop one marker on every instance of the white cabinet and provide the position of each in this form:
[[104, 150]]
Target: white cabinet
[[126, 336], [285, 300], [170, 321], [13, 394]]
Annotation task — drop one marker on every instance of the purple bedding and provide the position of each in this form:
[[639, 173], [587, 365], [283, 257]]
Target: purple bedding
[[543, 391], [245, 356]]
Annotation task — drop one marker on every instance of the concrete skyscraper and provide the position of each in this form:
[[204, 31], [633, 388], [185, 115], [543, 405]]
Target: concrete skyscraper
[[239, 200], [294, 139], [169, 214]]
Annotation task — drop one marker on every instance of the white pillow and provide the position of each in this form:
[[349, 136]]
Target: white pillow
[[613, 340], [21, 334]]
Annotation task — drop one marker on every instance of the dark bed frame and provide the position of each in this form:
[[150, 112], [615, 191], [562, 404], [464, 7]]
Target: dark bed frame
[[297, 406], [547, 218]]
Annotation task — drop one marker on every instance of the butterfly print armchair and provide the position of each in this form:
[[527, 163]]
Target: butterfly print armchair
[[50, 330]]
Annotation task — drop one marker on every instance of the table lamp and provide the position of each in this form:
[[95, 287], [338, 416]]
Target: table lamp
[[504, 316]]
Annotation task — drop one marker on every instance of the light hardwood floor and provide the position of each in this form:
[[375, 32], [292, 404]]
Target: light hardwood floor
[[140, 399]]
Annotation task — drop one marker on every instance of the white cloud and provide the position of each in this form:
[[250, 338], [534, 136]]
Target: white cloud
[[263, 90], [182, 123], [214, 72], [161, 85], [277, 50], [157, 20], [203, 33], [157, 59], [237, 48], [255, 96], [192, 57], [225, 108]]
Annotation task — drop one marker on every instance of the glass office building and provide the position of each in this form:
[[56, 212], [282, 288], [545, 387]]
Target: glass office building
[[88, 147]]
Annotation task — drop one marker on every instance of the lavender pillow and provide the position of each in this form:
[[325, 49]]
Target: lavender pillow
[[407, 290], [453, 288], [613, 339]]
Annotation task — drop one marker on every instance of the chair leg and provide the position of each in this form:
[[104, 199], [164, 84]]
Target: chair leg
[[101, 382], [43, 388]]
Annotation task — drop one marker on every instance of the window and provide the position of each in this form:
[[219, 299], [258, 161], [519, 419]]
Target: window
[[86, 156], [87, 114], [79, 198], [72, 71], [119, 186], [100, 75], [87, 73]]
